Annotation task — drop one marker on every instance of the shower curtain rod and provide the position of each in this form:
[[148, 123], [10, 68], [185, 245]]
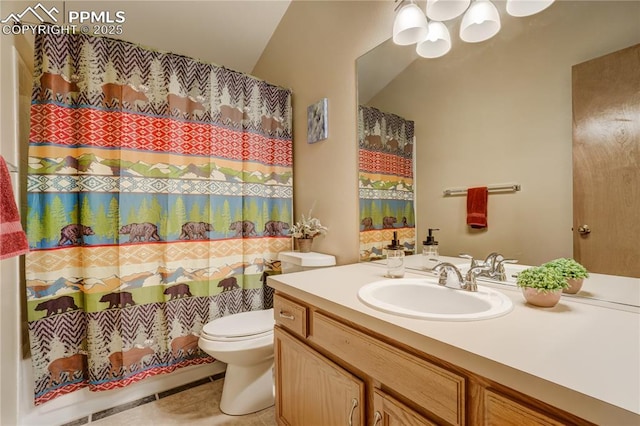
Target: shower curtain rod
[[504, 187]]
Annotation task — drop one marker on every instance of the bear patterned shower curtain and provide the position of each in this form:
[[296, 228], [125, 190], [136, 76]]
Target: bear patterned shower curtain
[[159, 194], [385, 182]]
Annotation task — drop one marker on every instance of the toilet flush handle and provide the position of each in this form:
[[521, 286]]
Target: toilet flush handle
[[287, 315]]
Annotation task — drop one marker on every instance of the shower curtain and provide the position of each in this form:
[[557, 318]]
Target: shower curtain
[[159, 194], [385, 182]]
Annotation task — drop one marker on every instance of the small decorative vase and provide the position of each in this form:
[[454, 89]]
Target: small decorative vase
[[304, 244], [575, 284], [546, 299]]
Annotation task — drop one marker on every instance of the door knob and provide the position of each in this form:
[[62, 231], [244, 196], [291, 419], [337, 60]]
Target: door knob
[[584, 230]]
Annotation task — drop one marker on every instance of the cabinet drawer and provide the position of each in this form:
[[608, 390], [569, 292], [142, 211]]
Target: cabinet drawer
[[502, 411], [437, 390], [290, 315]]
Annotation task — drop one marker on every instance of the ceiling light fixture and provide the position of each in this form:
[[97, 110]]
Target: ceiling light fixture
[[480, 22], [437, 43], [444, 10], [410, 25], [521, 8]]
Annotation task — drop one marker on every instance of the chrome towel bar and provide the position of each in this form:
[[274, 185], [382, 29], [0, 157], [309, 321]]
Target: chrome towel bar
[[492, 188]]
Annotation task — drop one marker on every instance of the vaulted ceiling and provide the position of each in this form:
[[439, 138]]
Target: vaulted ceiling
[[228, 33]]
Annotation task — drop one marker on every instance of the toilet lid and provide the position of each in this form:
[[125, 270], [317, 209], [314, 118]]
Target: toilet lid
[[244, 324]]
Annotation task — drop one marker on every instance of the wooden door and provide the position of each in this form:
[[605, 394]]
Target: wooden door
[[606, 163], [311, 390], [388, 411]]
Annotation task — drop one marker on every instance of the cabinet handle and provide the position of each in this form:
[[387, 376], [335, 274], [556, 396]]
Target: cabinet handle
[[376, 418], [354, 404], [287, 315]]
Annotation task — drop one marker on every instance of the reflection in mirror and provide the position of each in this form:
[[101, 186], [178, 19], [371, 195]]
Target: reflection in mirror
[[385, 183], [497, 112]]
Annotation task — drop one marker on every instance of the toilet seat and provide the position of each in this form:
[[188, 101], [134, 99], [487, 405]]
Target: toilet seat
[[238, 327]]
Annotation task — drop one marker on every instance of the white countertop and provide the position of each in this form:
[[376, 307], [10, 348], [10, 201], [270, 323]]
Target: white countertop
[[580, 357]]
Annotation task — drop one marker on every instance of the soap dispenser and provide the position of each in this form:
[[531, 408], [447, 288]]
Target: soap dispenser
[[430, 250], [395, 258]]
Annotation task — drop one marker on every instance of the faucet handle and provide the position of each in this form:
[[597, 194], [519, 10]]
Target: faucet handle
[[468, 256], [442, 270], [500, 271], [503, 261], [470, 279]]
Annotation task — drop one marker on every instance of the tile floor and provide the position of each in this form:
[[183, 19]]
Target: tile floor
[[193, 404]]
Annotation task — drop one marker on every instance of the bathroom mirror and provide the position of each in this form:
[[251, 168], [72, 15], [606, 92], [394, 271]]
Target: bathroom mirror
[[522, 134]]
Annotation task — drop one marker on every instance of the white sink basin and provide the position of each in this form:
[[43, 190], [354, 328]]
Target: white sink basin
[[424, 298]]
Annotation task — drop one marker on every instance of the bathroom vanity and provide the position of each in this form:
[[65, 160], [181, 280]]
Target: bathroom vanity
[[339, 361]]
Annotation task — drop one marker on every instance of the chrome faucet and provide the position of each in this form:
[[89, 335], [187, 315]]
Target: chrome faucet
[[469, 281], [492, 259], [442, 268], [494, 264]]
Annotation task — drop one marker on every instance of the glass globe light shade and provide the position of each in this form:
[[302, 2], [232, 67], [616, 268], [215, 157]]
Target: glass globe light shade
[[480, 22], [410, 25], [444, 10], [521, 8], [437, 43]]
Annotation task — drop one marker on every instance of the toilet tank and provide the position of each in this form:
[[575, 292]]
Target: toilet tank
[[293, 261]]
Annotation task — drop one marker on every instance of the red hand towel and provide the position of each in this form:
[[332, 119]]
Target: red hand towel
[[13, 240], [477, 207]]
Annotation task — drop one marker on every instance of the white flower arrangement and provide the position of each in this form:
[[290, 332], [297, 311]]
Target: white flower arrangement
[[308, 227]]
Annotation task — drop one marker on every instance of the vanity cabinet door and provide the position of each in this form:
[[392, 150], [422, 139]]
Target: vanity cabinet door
[[312, 390], [388, 411], [502, 411]]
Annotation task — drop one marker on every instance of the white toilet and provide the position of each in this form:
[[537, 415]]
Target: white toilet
[[244, 342]]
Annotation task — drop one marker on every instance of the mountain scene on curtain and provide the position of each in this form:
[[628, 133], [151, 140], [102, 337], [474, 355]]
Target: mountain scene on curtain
[[118, 218], [159, 194]]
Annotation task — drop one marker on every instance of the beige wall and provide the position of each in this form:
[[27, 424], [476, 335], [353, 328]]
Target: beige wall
[[500, 112], [313, 51]]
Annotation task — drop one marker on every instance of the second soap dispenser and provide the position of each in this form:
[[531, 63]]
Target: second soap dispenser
[[395, 258], [430, 250]]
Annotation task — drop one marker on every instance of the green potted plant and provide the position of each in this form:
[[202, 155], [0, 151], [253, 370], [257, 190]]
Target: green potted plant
[[573, 272], [305, 230], [542, 286]]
